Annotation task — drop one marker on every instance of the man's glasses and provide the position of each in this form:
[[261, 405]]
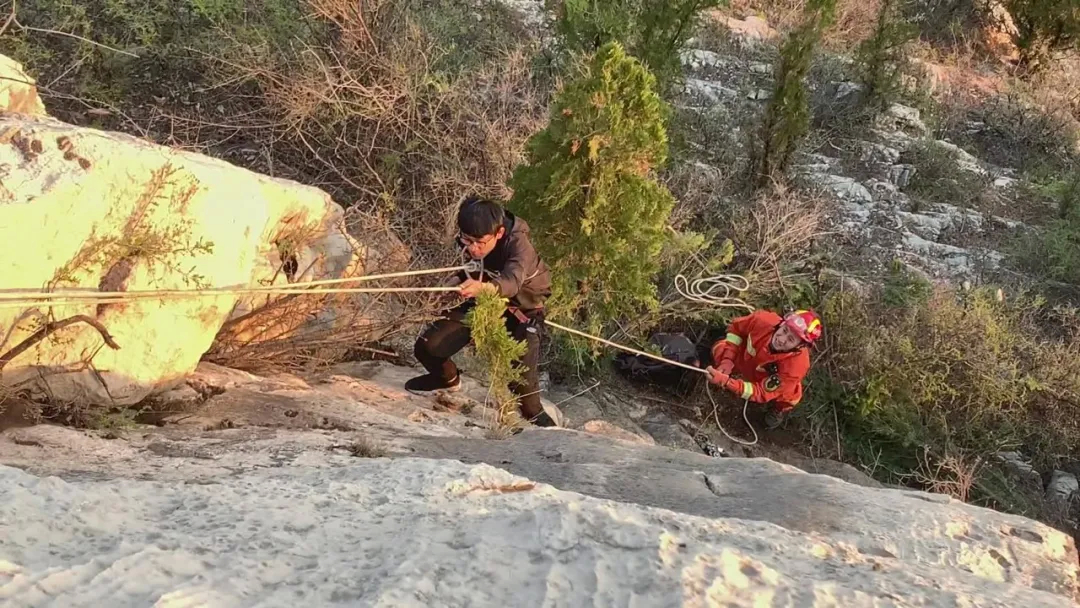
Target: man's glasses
[[469, 241]]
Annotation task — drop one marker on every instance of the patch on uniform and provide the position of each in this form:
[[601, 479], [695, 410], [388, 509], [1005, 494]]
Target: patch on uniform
[[772, 383]]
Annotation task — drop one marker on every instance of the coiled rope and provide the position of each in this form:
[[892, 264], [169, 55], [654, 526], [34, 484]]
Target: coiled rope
[[715, 290]]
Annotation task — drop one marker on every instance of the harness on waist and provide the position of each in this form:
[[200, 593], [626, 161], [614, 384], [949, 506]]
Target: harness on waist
[[530, 323]]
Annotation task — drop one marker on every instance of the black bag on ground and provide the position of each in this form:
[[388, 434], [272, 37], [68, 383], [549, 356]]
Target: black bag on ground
[[675, 347]]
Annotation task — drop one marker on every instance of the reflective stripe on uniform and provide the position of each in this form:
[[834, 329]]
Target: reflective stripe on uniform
[[733, 339], [750, 347], [747, 390]]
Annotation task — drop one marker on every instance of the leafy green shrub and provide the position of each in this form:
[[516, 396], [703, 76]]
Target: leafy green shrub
[[654, 31], [494, 346], [1043, 27], [787, 118], [882, 57], [959, 375], [939, 177], [140, 48], [1054, 251], [903, 288], [588, 190]]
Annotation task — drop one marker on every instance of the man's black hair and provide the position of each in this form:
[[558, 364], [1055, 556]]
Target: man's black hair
[[479, 217]]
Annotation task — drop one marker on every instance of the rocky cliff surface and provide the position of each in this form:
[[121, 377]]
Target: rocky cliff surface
[[256, 491]]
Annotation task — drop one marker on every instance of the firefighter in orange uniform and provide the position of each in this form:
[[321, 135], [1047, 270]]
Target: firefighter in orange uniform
[[765, 357]]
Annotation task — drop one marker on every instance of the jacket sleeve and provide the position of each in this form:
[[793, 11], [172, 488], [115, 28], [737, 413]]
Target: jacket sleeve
[[785, 390], [522, 260], [734, 344]]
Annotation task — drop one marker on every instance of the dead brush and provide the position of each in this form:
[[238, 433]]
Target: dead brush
[[363, 106], [1024, 132], [365, 447], [310, 332], [950, 474], [854, 18], [372, 117], [371, 113], [775, 232]]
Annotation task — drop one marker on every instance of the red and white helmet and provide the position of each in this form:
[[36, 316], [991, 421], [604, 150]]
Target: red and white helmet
[[806, 324]]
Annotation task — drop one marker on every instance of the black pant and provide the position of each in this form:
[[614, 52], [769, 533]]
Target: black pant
[[447, 336]]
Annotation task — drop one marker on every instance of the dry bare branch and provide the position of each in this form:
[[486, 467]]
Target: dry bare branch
[[52, 327]]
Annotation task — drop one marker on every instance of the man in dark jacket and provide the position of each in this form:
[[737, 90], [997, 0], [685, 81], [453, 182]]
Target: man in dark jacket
[[513, 269]]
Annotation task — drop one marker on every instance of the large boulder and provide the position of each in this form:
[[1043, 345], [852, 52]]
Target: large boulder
[[18, 93], [91, 210]]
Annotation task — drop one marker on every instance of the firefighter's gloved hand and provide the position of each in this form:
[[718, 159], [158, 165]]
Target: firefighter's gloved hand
[[717, 376], [724, 381], [733, 385]]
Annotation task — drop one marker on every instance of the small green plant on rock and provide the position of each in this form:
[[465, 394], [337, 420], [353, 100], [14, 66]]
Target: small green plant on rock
[[499, 352], [154, 233], [113, 420], [904, 288], [940, 178]]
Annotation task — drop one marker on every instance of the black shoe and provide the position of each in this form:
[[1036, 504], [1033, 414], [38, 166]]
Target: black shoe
[[543, 419], [429, 383], [774, 418]]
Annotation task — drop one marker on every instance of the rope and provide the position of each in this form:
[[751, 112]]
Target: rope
[[79, 301], [746, 419], [708, 389], [625, 348], [702, 290], [20, 298], [718, 291]]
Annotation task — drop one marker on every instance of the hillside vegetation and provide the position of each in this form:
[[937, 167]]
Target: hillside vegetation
[[653, 140]]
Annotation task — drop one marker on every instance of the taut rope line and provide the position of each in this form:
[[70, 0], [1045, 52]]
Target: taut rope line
[[701, 290]]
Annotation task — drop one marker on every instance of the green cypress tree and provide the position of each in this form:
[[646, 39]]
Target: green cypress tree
[[881, 58], [588, 190], [654, 31], [787, 118]]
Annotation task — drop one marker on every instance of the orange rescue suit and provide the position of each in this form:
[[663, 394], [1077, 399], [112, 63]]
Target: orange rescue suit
[[766, 376]]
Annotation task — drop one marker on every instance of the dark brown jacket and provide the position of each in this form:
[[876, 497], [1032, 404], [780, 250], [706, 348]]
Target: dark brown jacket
[[515, 266]]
